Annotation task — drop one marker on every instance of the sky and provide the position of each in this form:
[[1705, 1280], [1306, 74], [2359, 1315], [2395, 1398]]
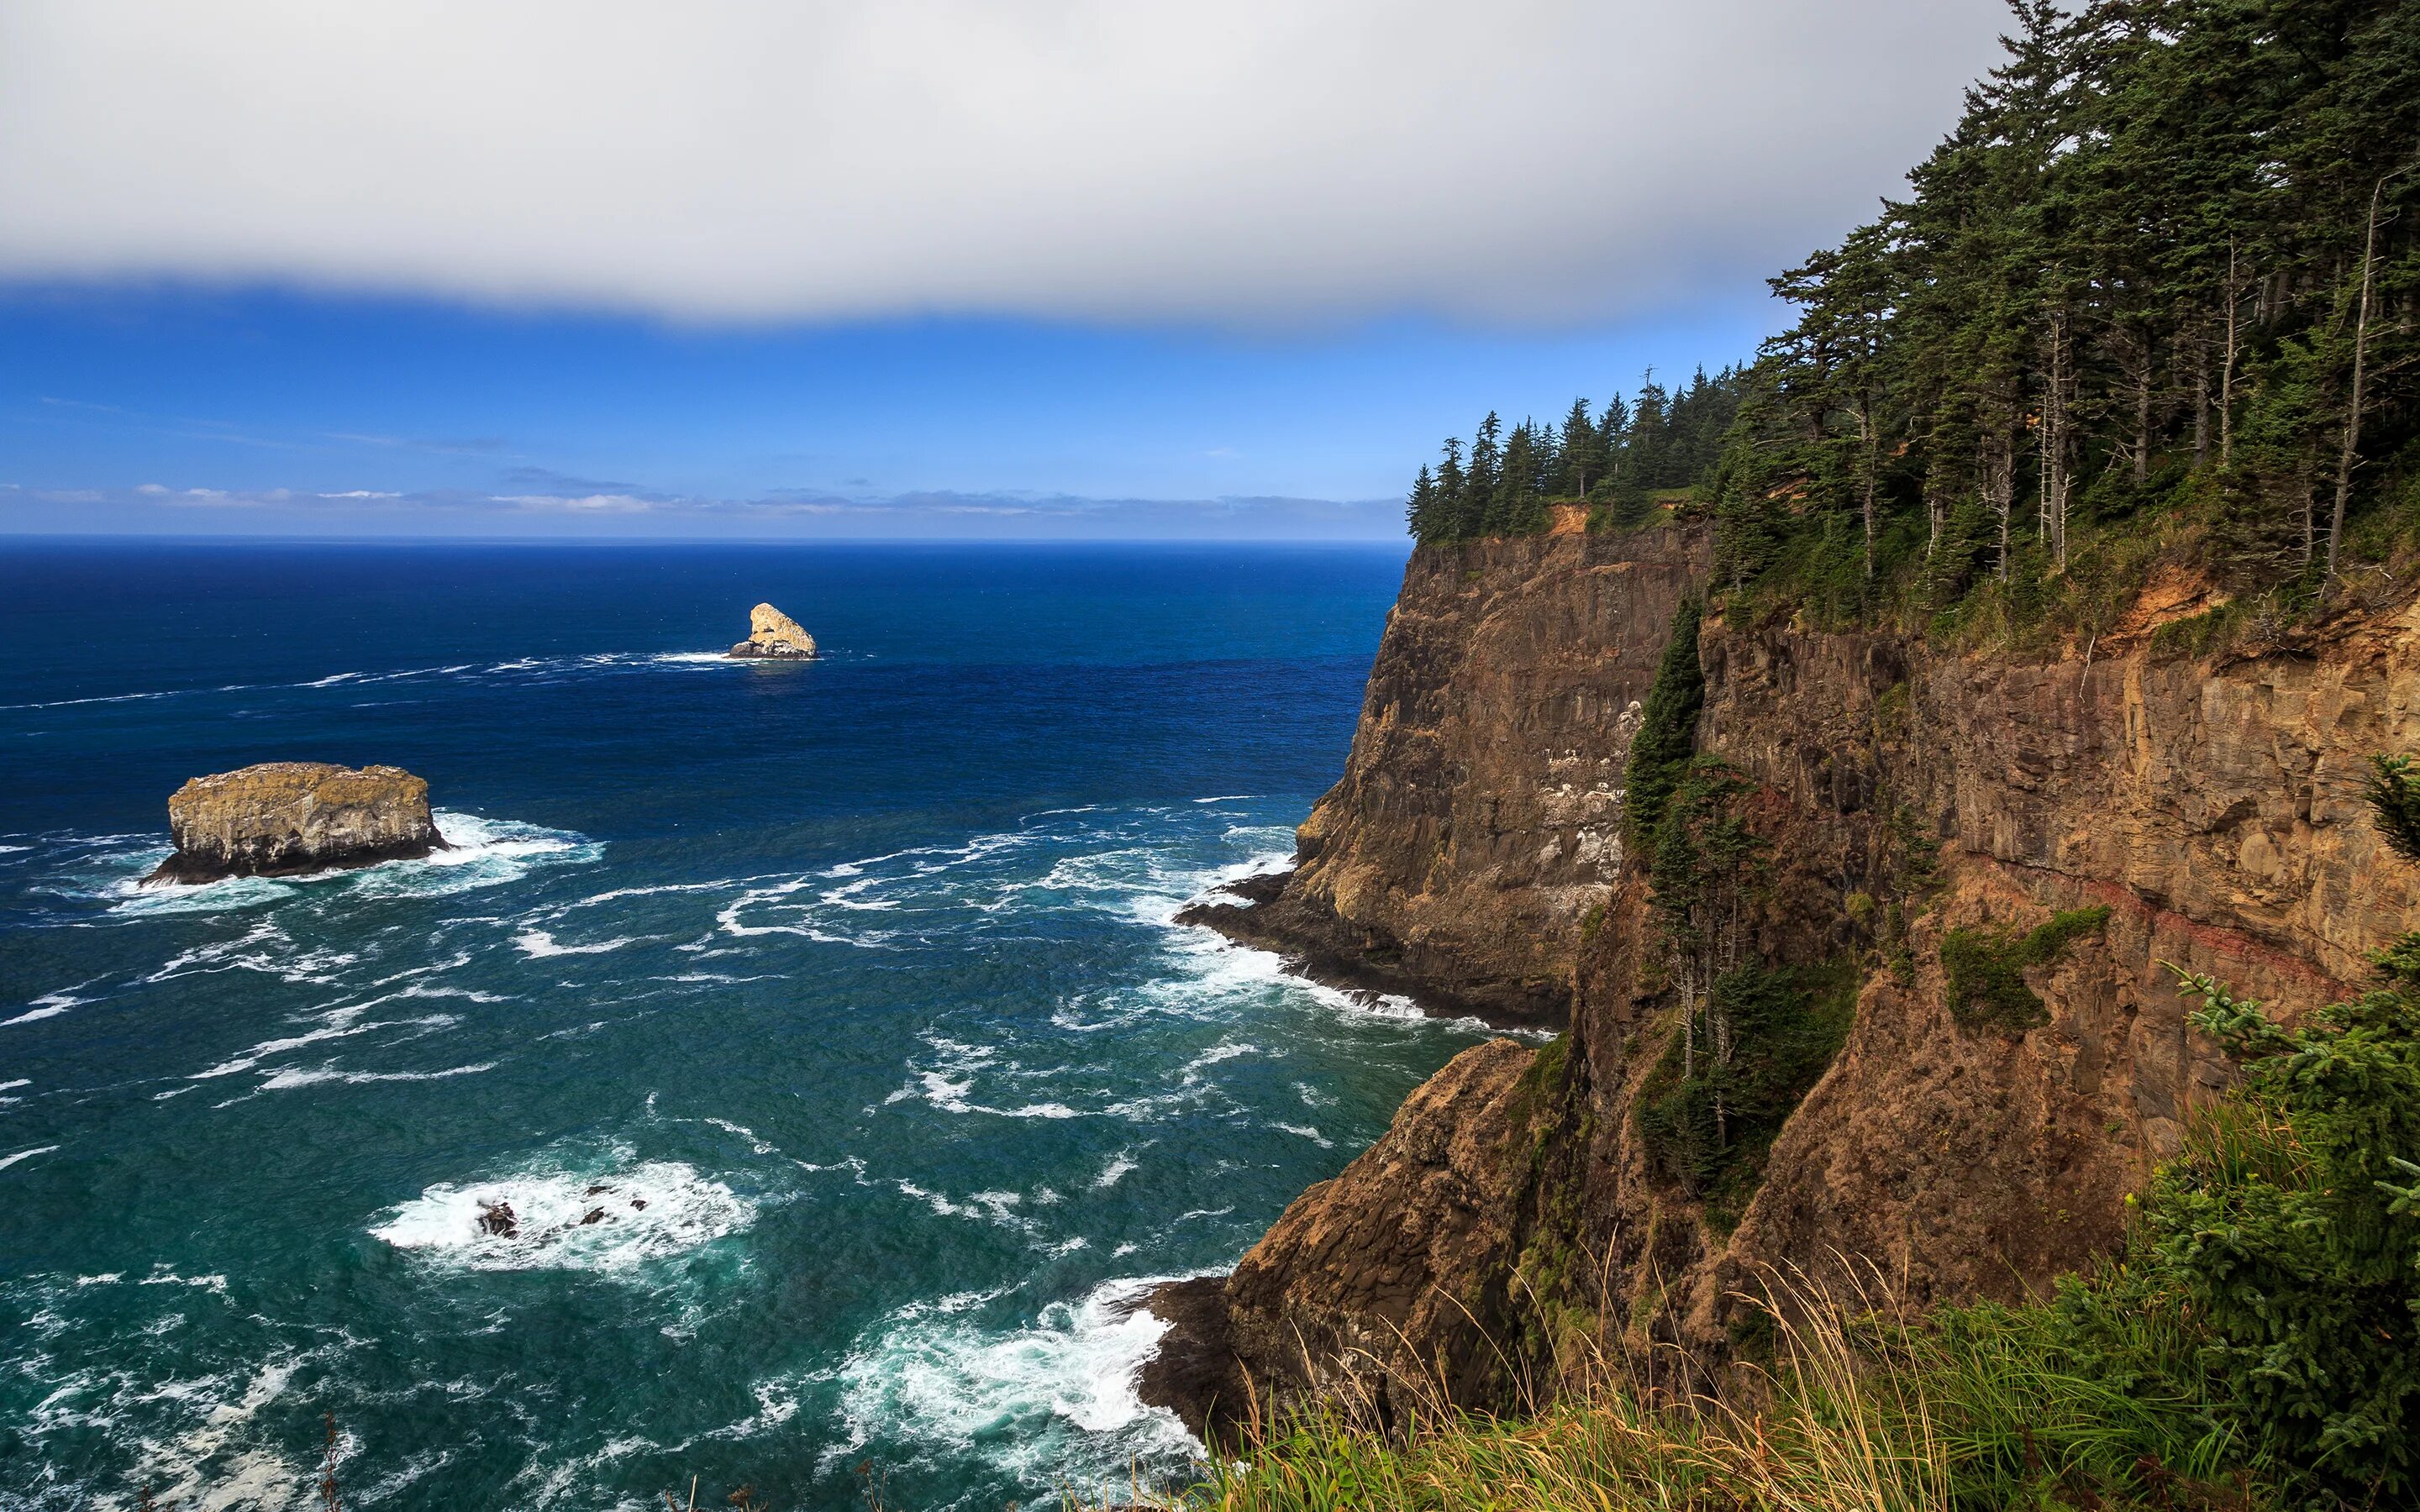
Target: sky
[[922, 268]]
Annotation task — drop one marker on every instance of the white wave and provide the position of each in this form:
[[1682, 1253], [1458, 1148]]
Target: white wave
[[480, 852], [1053, 1404], [31, 1014], [105, 698], [204, 1468], [7, 1160], [1302, 1131], [696, 658], [288, 1078], [539, 942], [1114, 1172], [12, 1086], [644, 1213]]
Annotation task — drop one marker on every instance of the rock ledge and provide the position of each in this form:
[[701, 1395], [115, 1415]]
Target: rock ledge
[[282, 818]]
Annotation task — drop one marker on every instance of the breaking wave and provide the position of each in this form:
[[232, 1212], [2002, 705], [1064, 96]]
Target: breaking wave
[[612, 1220]]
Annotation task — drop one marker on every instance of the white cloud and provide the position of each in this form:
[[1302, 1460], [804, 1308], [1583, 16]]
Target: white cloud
[[1250, 160]]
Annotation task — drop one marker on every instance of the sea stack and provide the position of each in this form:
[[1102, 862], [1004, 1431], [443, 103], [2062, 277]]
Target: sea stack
[[282, 818], [774, 635]]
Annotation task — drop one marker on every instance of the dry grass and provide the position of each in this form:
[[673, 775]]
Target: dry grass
[[1864, 1408]]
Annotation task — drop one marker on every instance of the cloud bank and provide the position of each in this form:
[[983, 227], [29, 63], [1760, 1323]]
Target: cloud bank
[[1249, 161]]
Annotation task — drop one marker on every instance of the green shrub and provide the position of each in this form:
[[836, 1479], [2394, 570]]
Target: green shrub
[[1668, 734], [1985, 968], [1786, 1025]]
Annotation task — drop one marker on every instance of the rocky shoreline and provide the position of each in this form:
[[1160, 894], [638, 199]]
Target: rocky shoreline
[[1269, 913]]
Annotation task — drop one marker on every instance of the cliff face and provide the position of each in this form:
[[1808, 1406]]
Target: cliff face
[[1479, 817], [281, 818], [2213, 807]]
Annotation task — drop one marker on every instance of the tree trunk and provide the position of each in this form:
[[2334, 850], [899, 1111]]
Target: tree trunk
[[1871, 442], [2226, 374], [1999, 482], [2348, 456], [2201, 399]]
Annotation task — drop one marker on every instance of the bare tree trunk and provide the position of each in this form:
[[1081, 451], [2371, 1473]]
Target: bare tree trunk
[[2201, 399], [1866, 434], [2348, 456], [2054, 421], [1999, 482], [2226, 374]]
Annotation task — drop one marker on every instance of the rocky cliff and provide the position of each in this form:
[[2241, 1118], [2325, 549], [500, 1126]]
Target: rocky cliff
[[282, 818], [1912, 796], [1479, 818]]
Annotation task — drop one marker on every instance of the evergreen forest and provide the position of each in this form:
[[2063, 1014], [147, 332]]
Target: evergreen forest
[[2151, 304]]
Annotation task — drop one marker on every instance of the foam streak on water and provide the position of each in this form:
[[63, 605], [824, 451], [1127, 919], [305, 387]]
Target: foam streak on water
[[826, 1029]]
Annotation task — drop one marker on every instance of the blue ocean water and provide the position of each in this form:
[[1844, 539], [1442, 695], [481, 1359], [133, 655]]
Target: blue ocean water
[[847, 992]]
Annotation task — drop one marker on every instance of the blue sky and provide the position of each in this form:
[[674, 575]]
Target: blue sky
[[1053, 268]]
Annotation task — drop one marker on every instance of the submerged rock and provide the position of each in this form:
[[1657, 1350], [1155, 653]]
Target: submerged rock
[[775, 635], [281, 818]]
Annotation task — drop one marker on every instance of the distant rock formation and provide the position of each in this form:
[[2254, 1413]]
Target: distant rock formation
[[281, 818], [775, 635]]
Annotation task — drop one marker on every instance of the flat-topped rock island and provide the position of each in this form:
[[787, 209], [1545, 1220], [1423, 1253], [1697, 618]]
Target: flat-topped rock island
[[287, 818]]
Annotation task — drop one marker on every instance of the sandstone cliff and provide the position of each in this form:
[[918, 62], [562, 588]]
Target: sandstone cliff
[[1479, 818], [281, 818], [2212, 806], [774, 635]]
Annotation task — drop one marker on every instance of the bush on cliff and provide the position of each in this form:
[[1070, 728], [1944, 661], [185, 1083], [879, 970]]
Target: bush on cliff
[[1710, 1131], [1667, 737], [2288, 1239], [1983, 969]]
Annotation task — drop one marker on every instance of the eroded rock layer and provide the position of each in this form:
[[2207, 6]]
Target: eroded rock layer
[[2214, 806], [284, 818]]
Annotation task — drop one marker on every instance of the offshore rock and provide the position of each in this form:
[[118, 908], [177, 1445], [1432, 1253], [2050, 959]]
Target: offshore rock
[[774, 635], [281, 818]]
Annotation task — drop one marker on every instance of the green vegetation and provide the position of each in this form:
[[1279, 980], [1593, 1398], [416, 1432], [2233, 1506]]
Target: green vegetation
[[2152, 298], [2153, 303], [1667, 736], [2287, 1239], [1709, 1126], [1985, 968], [1624, 461], [2253, 1347]]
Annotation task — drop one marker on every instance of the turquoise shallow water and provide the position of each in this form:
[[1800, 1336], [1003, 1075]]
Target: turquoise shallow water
[[846, 994]]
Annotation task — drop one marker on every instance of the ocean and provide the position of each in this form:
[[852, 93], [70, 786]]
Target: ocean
[[848, 994]]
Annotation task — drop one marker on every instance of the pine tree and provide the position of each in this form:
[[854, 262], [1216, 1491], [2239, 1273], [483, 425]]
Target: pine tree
[[1421, 511]]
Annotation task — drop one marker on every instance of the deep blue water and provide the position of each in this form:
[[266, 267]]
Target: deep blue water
[[859, 975]]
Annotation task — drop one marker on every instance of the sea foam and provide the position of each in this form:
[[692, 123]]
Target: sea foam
[[642, 1213], [1048, 1402]]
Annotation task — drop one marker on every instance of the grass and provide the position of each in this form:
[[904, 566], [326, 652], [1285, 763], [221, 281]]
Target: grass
[[1864, 1407], [1985, 968]]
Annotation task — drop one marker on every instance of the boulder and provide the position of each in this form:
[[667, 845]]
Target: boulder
[[774, 633], [281, 818]]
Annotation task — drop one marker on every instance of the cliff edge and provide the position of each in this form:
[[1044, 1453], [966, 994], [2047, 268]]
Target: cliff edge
[[2071, 823]]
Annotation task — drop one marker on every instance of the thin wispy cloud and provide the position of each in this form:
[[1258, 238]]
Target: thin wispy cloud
[[927, 514], [1251, 161]]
